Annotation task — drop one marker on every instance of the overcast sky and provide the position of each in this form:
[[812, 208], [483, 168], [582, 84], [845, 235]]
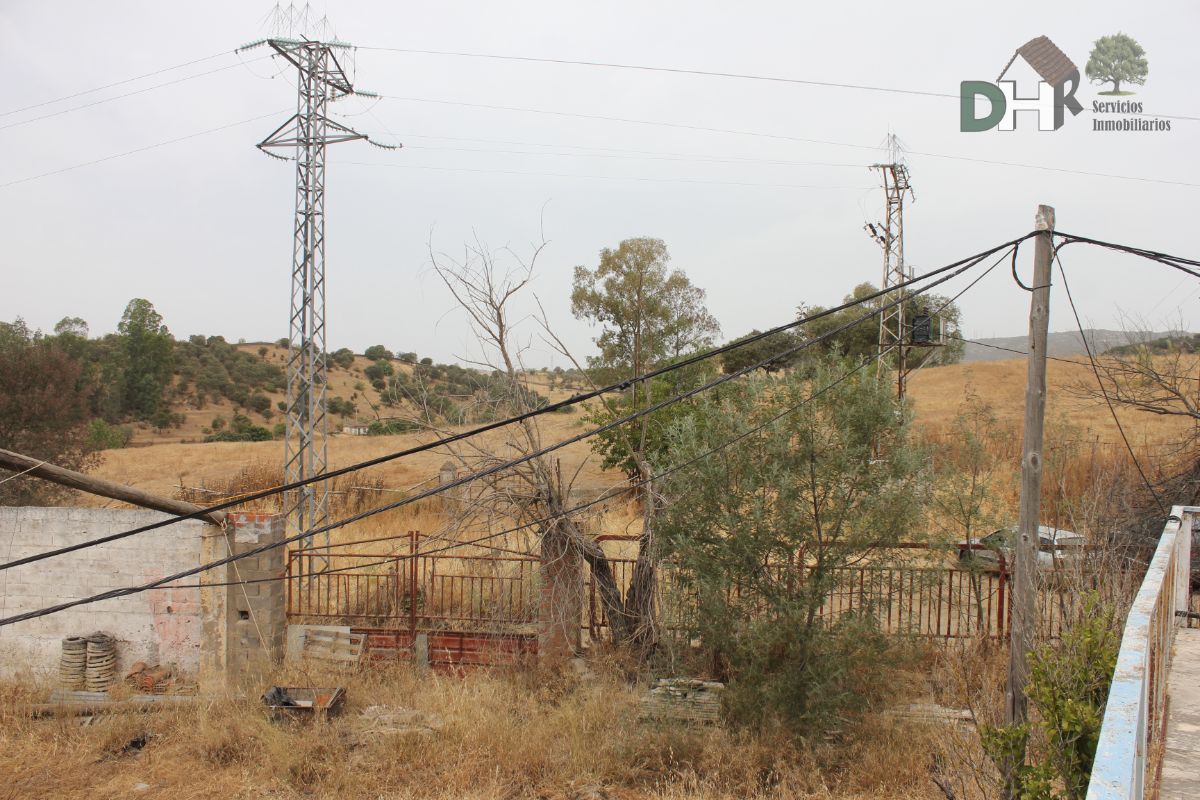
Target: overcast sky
[[202, 227]]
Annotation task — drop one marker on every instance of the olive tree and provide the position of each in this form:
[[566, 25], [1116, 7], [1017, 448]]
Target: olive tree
[[784, 483]]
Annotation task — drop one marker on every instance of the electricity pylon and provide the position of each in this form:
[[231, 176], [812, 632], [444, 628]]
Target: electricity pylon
[[320, 81], [890, 235]]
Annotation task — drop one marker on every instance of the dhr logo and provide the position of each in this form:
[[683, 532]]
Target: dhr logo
[[1057, 73]]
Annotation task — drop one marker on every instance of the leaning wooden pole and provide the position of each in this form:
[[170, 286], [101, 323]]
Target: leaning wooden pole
[[1025, 560], [117, 491]]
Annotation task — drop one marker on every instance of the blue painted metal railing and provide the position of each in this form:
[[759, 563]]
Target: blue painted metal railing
[[1135, 716]]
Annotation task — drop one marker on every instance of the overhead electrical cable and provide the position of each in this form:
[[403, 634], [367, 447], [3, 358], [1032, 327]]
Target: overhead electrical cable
[[1175, 262], [127, 94], [525, 458], [567, 512], [781, 137], [1104, 390], [690, 71], [116, 83], [674, 70], [546, 409], [137, 150], [572, 175], [636, 484]]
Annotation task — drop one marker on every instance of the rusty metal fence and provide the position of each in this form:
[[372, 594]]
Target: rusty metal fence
[[445, 591], [932, 602]]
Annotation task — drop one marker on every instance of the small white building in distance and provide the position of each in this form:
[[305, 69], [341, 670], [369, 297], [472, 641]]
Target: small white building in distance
[[357, 429]]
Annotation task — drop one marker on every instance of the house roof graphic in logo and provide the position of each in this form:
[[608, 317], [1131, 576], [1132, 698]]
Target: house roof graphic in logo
[[1052, 65]]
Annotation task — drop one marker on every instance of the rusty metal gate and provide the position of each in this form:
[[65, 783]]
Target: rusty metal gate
[[476, 610]]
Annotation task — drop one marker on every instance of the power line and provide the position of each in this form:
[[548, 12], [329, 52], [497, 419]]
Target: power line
[[127, 94], [1175, 262], [782, 137], [565, 513], [1104, 391], [699, 72], [1059, 359], [631, 155], [114, 593], [633, 485], [140, 149], [116, 83], [546, 409], [672, 70], [635, 178]]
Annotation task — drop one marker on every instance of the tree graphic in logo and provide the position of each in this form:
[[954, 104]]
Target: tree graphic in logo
[[1117, 59]]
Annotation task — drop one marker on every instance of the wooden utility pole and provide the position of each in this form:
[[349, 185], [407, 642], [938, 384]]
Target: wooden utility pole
[[117, 491], [1025, 560]]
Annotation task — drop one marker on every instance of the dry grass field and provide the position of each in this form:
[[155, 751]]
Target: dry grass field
[[163, 464], [528, 734], [499, 735]]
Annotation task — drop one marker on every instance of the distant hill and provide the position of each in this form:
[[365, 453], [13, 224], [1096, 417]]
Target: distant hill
[[1063, 343]]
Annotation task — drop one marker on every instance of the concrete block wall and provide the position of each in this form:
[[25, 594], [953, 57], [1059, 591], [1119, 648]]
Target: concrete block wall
[[158, 626], [244, 624]]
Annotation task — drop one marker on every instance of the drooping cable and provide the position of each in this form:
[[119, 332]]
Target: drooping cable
[[525, 458], [549, 408], [1104, 391]]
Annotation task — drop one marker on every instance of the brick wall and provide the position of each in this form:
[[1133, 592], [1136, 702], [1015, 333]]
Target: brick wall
[[158, 626]]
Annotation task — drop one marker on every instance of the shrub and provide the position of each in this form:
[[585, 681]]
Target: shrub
[[1068, 684], [164, 418], [391, 427], [378, 352], [102, 436], [259, 403], [378, 371]]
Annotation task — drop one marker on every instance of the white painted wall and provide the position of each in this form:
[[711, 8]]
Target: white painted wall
[[158, 626]]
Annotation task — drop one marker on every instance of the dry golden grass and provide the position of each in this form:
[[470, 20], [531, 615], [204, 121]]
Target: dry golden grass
[[938, 392], [532, 735]]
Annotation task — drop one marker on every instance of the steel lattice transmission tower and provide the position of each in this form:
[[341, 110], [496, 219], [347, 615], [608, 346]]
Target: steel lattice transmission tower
[[890, 235], [320, 81]]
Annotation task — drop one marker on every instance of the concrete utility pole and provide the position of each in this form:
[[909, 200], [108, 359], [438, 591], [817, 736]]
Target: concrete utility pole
[[1025, 557], [890, 236], [320, 80]]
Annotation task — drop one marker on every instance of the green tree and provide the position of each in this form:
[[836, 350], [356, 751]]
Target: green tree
[[147, 356], [617, 447], [861, 339], [1117, 59], [44, 411], [770, 347], [761, 532], [647, 313], [378, 352]]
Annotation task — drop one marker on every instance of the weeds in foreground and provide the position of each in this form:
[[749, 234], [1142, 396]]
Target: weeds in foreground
[[479, 736]]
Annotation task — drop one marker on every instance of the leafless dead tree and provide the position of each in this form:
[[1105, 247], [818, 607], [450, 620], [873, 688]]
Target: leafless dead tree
[[534, 492]]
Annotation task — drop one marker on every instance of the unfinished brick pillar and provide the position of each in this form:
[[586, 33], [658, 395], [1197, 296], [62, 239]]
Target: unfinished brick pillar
[[243, 625], [561, 613]]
